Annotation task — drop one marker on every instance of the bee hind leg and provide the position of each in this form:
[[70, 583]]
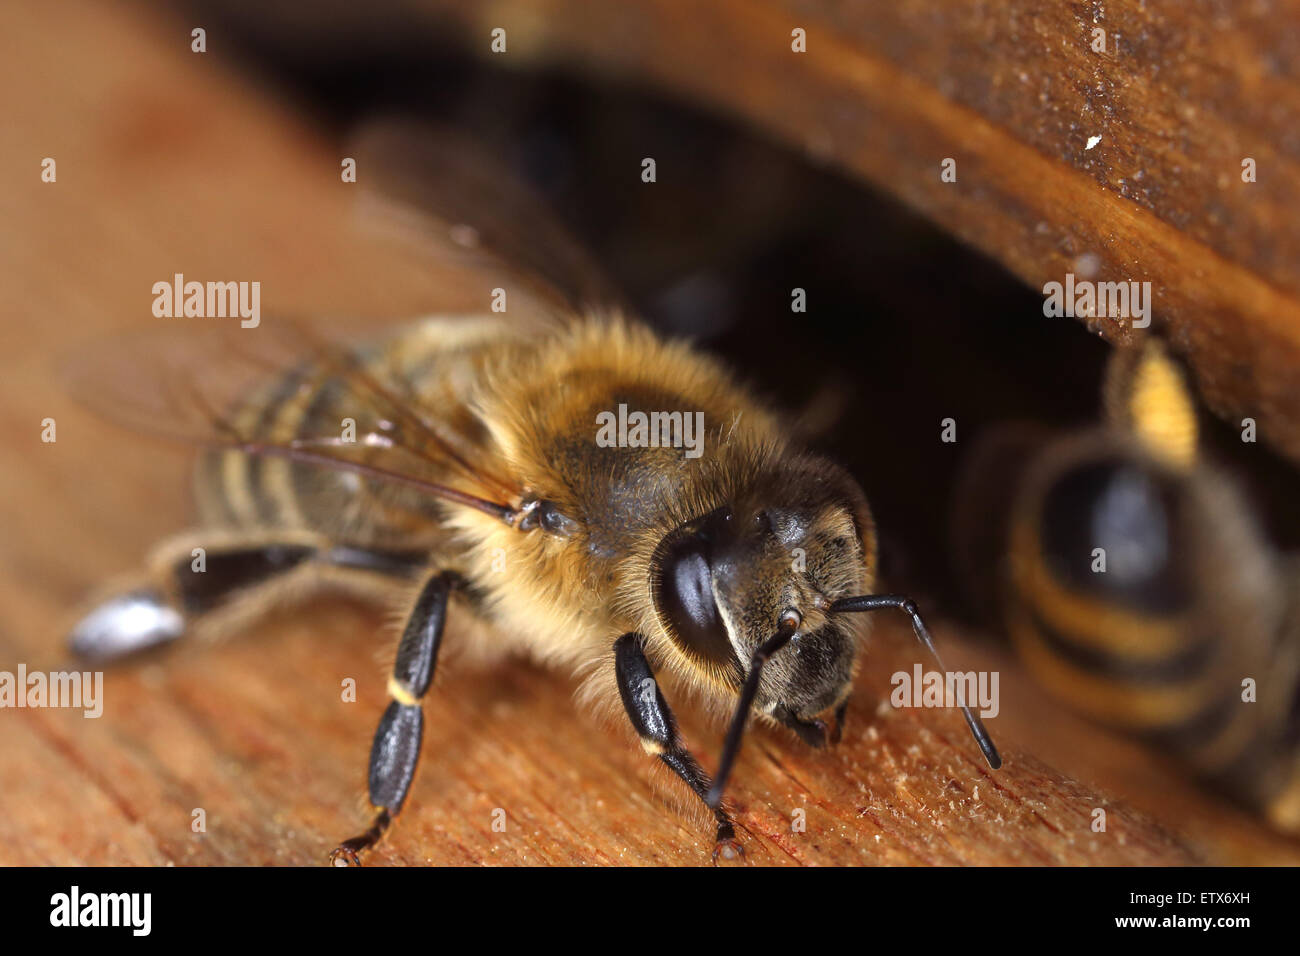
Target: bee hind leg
[[654, 723], [209, 583], [395, 752], [189, 584]]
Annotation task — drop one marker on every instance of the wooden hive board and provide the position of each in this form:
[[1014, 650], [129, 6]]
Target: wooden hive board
[[169, 161]]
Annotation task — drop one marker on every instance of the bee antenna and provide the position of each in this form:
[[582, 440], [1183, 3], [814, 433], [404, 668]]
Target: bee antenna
[[873, 602], [731, 748]]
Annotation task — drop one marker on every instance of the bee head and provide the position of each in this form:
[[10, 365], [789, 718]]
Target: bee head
[[760, 594], [774, 556]]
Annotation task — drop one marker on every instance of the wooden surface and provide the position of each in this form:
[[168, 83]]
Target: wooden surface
[[169, 162], [1014, 93]]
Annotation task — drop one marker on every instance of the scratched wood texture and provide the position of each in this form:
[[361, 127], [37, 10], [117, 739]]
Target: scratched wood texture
[[171, 162]]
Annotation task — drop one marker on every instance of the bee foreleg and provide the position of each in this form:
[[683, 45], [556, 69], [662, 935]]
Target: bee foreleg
[[396, 748], [654, 723]]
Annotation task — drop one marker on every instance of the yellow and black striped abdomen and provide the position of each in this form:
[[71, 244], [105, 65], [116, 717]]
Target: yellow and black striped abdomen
[[1181, 639], [1160, 641], [431, 367], [1104, 605]]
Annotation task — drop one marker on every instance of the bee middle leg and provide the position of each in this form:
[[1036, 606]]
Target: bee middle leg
[[395, 752], [654, 723]]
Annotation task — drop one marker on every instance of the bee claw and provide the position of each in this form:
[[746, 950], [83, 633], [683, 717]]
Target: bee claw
[[344, 856], [347, 852], [727, 851], [727, 847]]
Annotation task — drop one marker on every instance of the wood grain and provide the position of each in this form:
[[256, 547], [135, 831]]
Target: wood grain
[[170, 162], [1015, 93]]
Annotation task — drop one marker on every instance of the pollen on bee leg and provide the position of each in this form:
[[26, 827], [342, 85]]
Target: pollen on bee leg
[[651, 746], [401, 693]]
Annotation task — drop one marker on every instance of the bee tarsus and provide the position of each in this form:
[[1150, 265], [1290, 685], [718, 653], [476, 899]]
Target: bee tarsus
[[654, 723], [395, 753], [725, 845], [348, 852]]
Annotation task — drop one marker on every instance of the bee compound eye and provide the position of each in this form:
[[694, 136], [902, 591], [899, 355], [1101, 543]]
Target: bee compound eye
[[686, 603], [687, 594]]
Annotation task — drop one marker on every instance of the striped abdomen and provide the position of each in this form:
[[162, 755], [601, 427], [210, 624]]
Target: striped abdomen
[[430, 367], [1138, 596]]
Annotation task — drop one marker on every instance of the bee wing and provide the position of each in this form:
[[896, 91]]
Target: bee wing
[[167, 382], [458, 200], [210, 385], [194, 383]]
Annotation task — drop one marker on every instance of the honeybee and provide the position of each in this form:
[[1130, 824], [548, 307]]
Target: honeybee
[[1139, 589], [458, 466]]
